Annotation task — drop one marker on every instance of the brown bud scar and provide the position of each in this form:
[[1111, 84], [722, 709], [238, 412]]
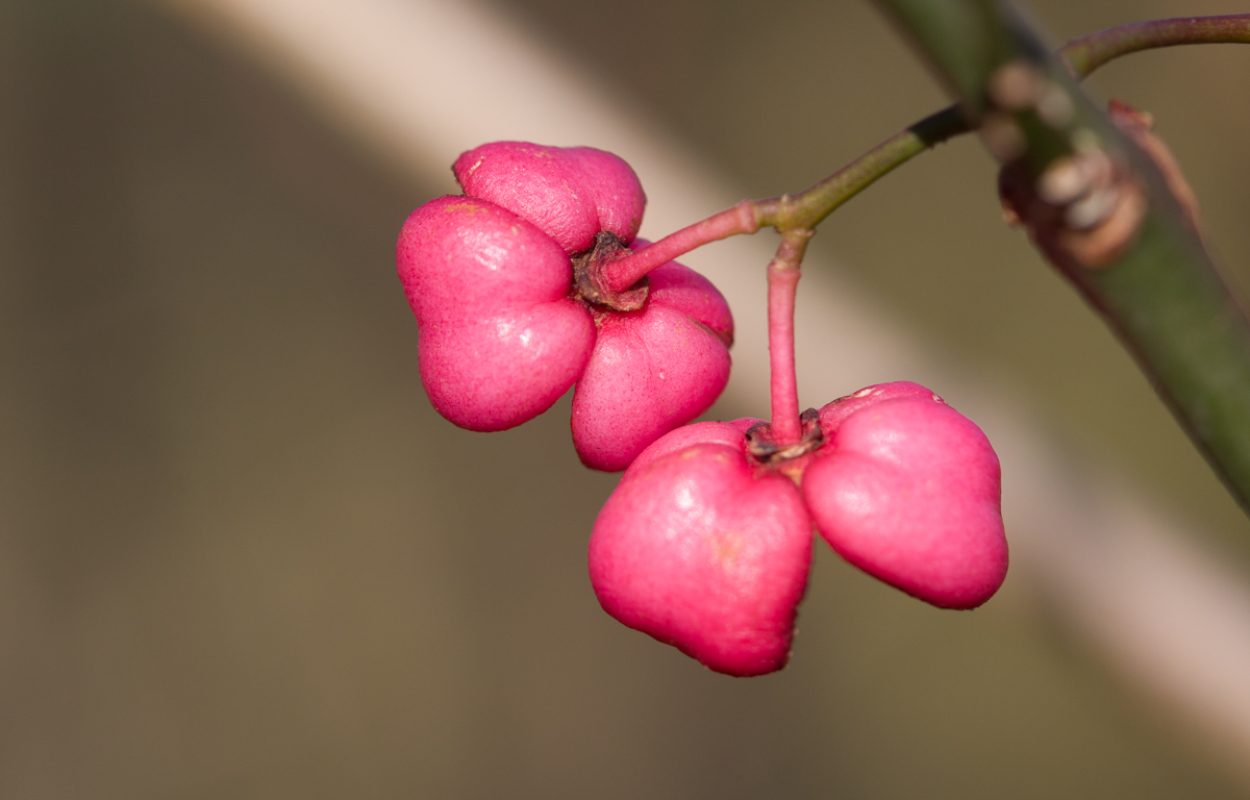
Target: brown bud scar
[[1083, 211], [1091, 229], [1086, 209]]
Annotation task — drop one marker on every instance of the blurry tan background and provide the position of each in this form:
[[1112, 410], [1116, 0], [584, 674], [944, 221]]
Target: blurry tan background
[[240, 556]]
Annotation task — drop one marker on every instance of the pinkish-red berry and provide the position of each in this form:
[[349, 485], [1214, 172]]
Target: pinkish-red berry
[[705, 542], [697, 550], [506, 325], [907, 489]]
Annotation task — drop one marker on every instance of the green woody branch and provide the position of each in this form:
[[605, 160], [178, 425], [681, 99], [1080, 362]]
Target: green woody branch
[[1102, 199]]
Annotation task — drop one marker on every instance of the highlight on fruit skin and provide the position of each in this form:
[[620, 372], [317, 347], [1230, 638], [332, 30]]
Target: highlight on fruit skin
[[505, 329], [705, 547]]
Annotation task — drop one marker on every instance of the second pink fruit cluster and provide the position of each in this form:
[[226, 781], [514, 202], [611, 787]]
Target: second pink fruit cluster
[[704, 548]]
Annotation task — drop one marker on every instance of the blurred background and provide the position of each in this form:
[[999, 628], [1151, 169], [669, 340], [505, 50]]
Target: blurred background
[[240, 555]]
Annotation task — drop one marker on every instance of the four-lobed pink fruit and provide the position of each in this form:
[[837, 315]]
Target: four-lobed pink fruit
[[706, 547], [505, 329]]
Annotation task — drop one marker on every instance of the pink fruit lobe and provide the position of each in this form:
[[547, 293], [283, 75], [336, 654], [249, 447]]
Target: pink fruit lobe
[[908, 490], [653, 369], [500, 338]]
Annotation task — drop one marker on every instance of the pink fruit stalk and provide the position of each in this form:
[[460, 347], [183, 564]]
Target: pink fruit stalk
[[506, 288], [706, 542]]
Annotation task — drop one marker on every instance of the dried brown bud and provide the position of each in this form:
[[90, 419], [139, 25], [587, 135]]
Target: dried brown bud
[[1086, 209]]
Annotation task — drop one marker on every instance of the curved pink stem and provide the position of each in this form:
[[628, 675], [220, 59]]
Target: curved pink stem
[[625, 272]]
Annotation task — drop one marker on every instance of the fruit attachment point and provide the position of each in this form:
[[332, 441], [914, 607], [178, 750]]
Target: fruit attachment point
[[588, 281], [764, 447]]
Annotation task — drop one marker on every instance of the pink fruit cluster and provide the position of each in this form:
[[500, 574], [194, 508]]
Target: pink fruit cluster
[[504, 283], [706, 542]]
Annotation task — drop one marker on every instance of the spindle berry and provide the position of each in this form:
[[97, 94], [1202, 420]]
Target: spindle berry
[[504, 284], [705, 543]]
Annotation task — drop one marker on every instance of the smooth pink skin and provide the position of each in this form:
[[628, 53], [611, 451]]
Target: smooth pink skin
[[652, 370], [908, 490], [570, 193], [500, 339], [698, 551]]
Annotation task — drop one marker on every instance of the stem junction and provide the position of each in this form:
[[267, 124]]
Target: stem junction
[[809, 208]]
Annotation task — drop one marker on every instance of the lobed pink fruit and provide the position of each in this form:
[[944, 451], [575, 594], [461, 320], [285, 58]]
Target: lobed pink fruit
[[699, 552], [500, 338], [503, 330], [908, 490], [571, 193], [707, 548]]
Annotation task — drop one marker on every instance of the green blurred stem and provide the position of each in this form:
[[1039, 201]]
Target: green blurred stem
[[1159, 291], [808, 208], [1088, 53]]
